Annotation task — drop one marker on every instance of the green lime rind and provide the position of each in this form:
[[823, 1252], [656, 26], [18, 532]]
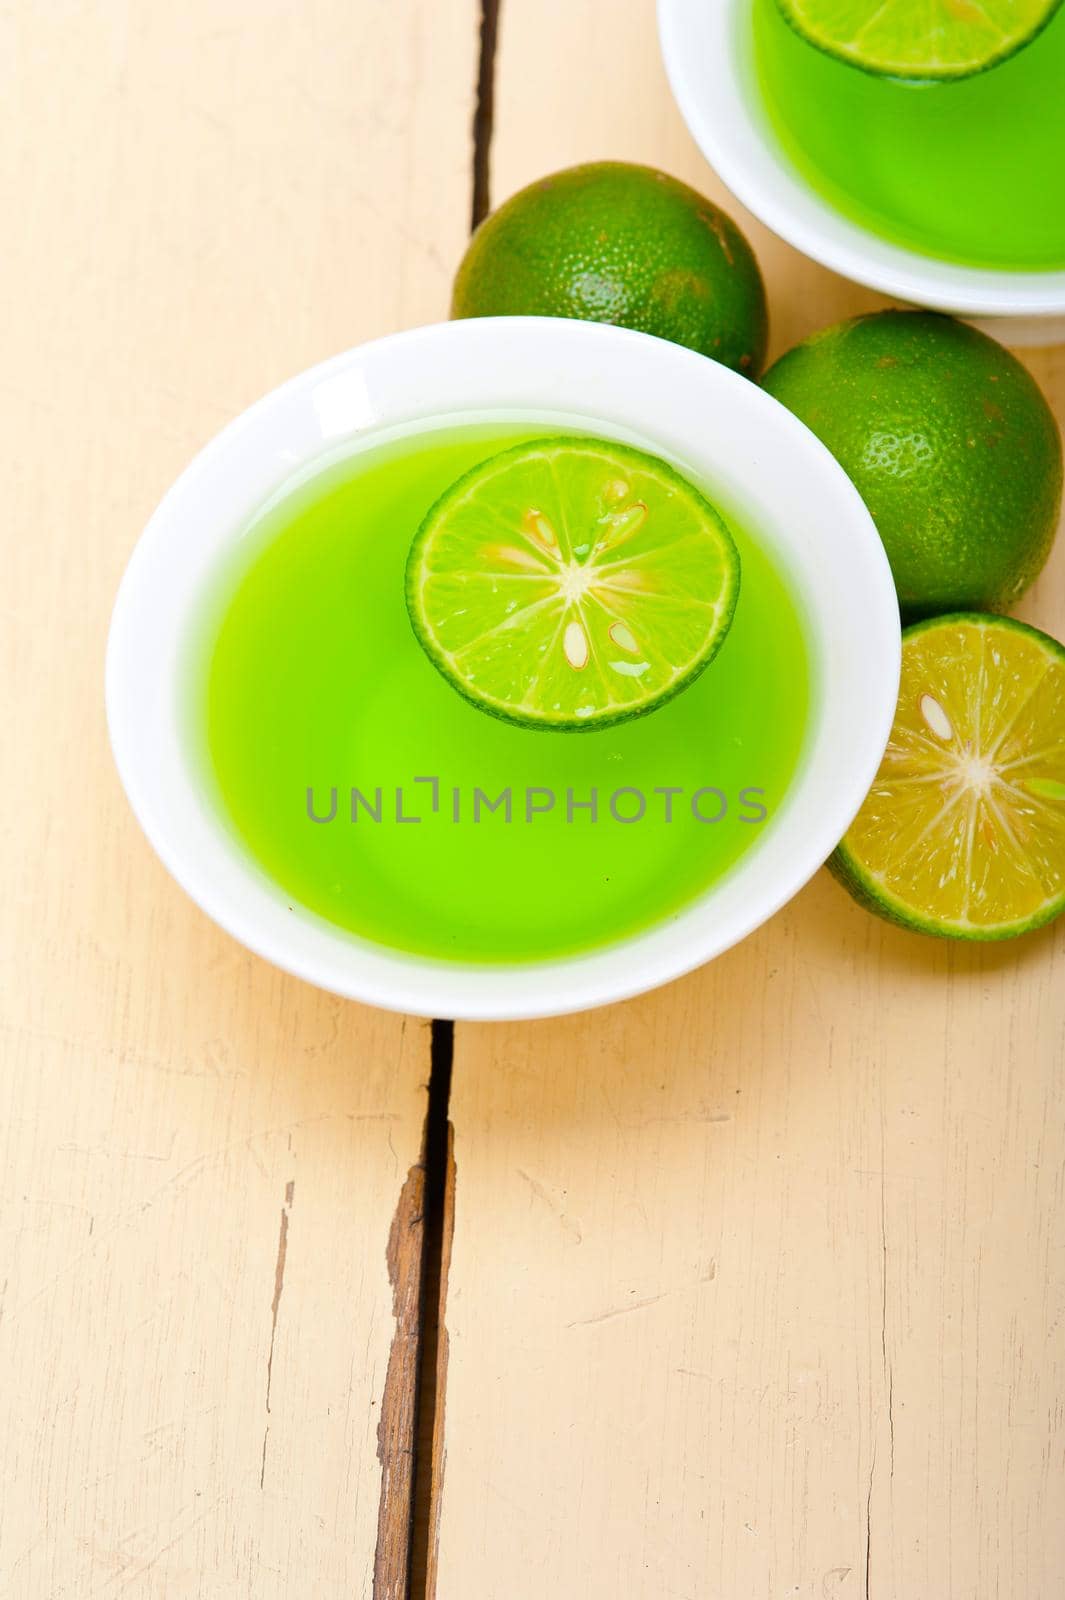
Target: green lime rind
[[855, 874], [949, 441], [571, 583], [613, 242], [950, 42]]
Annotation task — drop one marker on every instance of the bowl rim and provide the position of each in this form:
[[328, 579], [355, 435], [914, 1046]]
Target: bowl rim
[[402, 378], [699, 42]]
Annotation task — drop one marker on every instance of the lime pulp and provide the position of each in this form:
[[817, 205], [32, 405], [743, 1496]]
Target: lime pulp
[[963, 832]]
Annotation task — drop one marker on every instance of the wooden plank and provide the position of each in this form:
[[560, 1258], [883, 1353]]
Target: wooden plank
[[757, 1282], [203, 1161]]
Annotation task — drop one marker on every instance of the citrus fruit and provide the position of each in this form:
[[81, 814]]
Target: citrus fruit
[[950, 443], [963, 832], [610, 242], [938, 39], [571, 583]]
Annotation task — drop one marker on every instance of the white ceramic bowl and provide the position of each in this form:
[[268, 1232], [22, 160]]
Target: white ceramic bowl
[[702, 42], [764, 462]]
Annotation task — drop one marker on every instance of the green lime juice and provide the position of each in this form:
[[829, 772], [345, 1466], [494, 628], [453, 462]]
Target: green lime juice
[[368, 790], [967, 171]]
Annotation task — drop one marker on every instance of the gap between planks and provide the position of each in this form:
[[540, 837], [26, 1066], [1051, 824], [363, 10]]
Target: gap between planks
[[432, 1372], [412, 1419]]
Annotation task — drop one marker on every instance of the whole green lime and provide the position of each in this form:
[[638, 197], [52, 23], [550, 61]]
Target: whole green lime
[[610, 242], [950, 444]]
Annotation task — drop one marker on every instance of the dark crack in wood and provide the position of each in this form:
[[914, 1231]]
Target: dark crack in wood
[[484, 112]]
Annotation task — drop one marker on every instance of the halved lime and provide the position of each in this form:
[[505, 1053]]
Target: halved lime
[[935, 39], [963, 832], [571, 582]]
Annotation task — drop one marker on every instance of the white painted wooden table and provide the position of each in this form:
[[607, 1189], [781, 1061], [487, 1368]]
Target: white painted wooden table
[[756, 1284]]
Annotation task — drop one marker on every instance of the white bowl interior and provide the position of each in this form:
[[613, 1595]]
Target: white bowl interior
[[766, 464], [702, 45]]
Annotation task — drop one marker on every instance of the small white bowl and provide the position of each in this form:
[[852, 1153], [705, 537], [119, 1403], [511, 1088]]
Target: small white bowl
[[702, 42], [764, 462]]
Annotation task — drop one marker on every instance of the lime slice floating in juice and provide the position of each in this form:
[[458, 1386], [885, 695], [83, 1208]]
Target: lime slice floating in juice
[[963, 832], [571, 583], [937, 39]]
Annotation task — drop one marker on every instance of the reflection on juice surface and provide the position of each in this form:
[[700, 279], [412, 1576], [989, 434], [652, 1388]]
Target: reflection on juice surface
[[969, 171], [305, 673]]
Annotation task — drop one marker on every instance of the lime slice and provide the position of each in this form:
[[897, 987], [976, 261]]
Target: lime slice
[[963, 832], [571, 583], [936, 39]]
